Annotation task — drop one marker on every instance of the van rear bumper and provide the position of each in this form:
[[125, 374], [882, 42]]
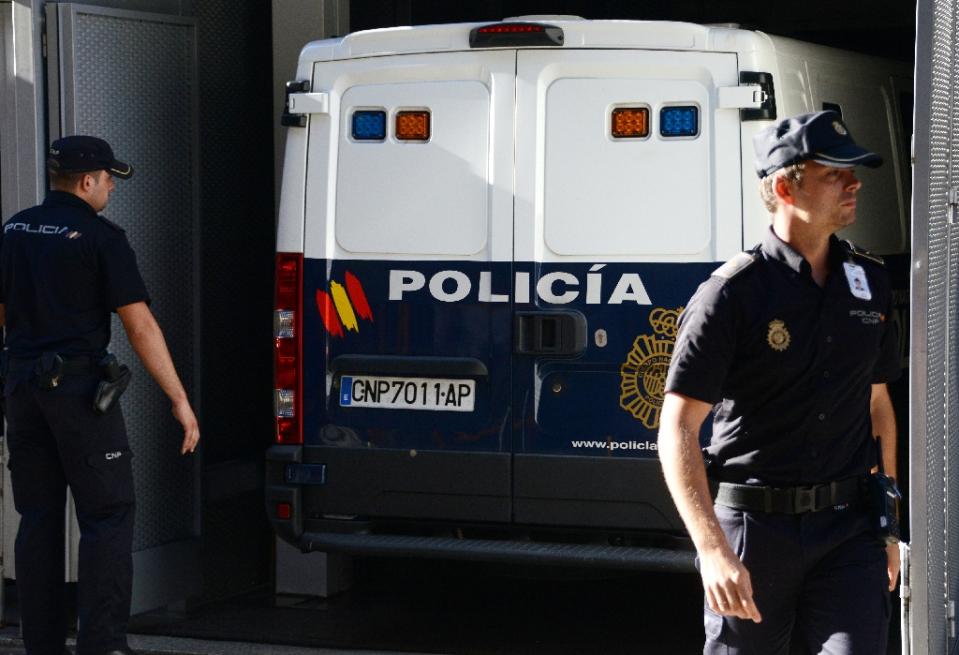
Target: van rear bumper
[[494, 507], [495, 551]]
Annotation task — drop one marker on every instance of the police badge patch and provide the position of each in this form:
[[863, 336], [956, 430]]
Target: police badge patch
[[778, 336]]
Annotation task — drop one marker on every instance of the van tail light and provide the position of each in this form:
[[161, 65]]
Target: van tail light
[[506, 35], [288, 348]]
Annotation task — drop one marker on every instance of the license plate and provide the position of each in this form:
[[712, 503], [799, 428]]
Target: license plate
[[435, 394]]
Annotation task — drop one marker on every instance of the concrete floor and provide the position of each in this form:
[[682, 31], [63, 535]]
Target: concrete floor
[[443, 608], [458, 608], [10, 644]]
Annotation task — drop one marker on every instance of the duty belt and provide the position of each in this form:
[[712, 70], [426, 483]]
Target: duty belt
[[48, 368], [70, 364], [790, 500]]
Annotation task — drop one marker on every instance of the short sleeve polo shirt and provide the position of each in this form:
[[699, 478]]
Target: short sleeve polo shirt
[[63, 270], [788, 365]]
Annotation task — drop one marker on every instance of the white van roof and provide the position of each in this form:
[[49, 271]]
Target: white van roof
[[579, 33]]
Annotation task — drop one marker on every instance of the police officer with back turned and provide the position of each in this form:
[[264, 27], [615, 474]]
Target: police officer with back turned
[[790, 345], [63, 270]]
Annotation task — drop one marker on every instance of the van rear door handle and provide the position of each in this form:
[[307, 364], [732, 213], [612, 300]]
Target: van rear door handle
[[557, 333]]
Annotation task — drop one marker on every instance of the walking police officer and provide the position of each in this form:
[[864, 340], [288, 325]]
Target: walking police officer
[[63, 270], [791, 346]]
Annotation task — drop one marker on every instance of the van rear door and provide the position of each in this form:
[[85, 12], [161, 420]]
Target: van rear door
[[408, 248], [627, 195]]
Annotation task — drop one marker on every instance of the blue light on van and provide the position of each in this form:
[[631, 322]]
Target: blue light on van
[[369, 125], [679, 121]]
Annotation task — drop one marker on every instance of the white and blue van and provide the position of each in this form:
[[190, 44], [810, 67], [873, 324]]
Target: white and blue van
[[486, 235]]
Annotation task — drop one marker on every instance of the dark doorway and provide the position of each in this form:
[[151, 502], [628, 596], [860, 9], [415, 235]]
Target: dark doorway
[[886, 28]]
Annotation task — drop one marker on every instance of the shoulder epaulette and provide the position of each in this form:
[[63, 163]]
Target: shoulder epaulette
[[736, 265], [856, 251], [110, 223]]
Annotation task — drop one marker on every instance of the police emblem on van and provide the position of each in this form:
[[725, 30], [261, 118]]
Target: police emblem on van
[[344, 306], [643, 375]]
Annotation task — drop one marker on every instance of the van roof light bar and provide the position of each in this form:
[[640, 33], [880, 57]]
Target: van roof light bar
[[513, 35]]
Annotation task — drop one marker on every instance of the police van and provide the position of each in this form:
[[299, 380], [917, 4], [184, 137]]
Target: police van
[[486, 235]]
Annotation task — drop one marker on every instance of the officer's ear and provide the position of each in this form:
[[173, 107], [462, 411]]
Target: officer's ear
[[784, 190], [88, 181]]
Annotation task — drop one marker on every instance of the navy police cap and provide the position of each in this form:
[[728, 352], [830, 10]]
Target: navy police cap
[[820, 136], [81, 154]]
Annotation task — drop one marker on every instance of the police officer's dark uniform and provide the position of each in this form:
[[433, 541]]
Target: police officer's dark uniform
[[63, 270], [789, 366]]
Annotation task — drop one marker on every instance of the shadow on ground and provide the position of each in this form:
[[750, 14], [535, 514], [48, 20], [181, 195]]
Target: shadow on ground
[[461, 608], [454, 607]]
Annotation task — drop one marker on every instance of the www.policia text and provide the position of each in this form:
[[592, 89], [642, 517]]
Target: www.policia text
[[616, 445]]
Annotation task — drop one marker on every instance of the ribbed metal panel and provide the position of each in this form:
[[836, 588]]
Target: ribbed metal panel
[[951, 563], [148, 114], [951, 446], [935, 294]]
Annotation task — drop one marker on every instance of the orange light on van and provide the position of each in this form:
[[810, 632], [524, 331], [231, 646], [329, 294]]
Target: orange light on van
[[630, 123], [413, 125]]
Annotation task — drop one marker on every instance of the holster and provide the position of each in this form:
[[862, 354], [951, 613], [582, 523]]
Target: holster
[[116, 378]]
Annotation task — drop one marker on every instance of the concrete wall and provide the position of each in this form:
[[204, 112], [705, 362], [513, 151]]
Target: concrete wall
[[22, 132]]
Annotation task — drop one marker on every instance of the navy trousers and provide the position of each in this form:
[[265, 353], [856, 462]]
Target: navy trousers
[[56, 440], [822, 574]]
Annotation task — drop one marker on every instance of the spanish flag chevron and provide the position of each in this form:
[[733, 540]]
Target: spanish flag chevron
[[343, 306]]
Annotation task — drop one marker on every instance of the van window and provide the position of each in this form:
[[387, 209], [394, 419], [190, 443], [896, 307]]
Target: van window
[[609, 196], [414, 196]]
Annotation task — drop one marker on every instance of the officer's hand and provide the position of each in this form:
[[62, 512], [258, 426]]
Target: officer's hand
[[892, 564], [729, 590], [191, 429]]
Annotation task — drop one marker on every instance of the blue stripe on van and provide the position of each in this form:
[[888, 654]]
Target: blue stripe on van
[[604, 402]]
